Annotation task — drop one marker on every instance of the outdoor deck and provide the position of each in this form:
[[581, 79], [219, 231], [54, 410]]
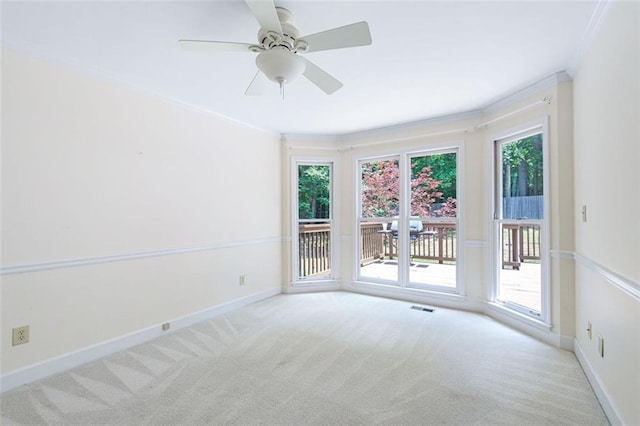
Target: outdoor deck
[[521, 286], [433, 257]]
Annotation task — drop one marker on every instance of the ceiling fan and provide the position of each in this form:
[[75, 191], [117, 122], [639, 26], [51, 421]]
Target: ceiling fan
[[279, 47]]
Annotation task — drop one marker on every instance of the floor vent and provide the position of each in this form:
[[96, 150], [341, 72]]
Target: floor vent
[[422, 308]]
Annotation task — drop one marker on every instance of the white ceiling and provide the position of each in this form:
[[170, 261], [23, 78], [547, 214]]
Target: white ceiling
[[428, 59]]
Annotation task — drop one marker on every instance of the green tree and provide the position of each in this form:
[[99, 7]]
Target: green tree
[[314, 199], [522, 167], [443, 169]]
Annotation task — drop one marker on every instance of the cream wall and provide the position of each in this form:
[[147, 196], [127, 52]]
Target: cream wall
[[92, 169], [607, 181]]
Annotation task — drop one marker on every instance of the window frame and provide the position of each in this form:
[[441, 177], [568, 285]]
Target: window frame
[[530, 128], [404, 155], [296, 162]]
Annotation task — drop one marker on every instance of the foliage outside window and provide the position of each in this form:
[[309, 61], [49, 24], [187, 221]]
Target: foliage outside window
[[433, 187], [522, 178], [313, 192], [522, 167]]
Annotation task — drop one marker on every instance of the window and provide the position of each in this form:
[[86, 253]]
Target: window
[[408, 220], [379, 207], [433, 245], [520, 222], [314, 221]]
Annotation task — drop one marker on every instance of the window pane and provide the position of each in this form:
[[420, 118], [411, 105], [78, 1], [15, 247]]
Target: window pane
[[433, 222], [314, 221], [314, 200], [380, 198], [433, 185], [522, 185], [519, 226], [380, 188], [520, 270]]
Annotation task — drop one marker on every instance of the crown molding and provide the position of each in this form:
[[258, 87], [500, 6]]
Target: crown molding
[[495, 105], [288, 138], [411, 125], [527, 91], [600, 11]]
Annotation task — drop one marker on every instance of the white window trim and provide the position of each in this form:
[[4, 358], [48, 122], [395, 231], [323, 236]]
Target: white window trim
[[545, 258], [332, 162], [403, 154]]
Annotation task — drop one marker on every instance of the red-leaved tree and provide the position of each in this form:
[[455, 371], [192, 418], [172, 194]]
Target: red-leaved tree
[[448, 209], [381, 191], [424, 192]]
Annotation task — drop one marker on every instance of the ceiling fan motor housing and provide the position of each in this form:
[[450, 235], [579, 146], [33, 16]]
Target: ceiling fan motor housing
[[289, 37]]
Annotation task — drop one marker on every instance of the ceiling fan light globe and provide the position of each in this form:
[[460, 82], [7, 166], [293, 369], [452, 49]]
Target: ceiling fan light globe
[[280, 65]]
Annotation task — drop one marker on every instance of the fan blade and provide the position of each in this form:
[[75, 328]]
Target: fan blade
[[338, 38], [266, 15], [320, 78], [218, 46], [258, 85]]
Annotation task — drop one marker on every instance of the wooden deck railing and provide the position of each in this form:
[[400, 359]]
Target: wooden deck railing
[[437, 242], [372, 242], [314, 249], [520, 242]]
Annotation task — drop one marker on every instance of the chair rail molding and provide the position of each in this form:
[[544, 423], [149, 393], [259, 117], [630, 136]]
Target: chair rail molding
[[70, 263]]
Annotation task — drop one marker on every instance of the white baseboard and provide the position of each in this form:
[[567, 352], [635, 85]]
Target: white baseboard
[[445, 300], [605, 400], [40, 370], [312, 287], [538, 330]]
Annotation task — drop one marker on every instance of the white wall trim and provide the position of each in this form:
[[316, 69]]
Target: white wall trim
[[403, 127], [430, 297], [46, 368], [525, 92], [475, 243], [520, 322], [330, 141], [406, 139], [312, 286], [589, 35], [492, 106], [34, 267], [624, 284], [545, 101], [606, 402], [562, 254], [508, 316], [528, 325]]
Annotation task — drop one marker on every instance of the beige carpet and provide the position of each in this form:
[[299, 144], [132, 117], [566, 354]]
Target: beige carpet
[[328, 358]]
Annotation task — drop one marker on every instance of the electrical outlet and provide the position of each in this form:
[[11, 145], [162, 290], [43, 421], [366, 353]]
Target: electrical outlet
[[601, 346], [166, 326], [20, 335], [589, 329], [242, 280]]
